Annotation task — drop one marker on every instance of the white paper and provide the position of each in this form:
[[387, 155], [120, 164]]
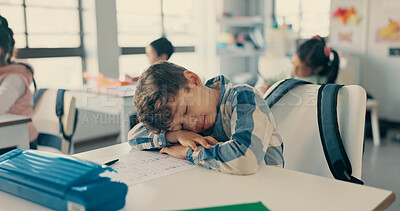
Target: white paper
[[141, 166]]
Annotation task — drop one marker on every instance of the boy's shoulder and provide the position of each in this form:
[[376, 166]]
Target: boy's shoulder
[[242, 93], [231, 91]]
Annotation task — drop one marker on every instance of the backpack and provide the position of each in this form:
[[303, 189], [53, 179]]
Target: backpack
[[334, 151]]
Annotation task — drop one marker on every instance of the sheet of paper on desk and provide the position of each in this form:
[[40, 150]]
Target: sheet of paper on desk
[[141, 166]]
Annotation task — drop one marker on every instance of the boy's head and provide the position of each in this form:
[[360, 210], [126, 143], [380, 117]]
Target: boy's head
[[169, 97], [159, 50]]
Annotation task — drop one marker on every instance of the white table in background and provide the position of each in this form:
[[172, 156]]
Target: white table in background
[[110, 100], [276, 188], [14, 131]]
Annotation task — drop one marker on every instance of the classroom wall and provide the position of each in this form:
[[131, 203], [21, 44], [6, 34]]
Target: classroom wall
[[379, 73], [107, 38]]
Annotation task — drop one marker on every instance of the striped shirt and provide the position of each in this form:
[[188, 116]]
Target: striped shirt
[[245, 129]]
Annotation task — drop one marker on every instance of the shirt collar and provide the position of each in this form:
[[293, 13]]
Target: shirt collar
[[219, 82]]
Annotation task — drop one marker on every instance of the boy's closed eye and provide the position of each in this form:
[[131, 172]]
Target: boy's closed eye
[[185, 113]]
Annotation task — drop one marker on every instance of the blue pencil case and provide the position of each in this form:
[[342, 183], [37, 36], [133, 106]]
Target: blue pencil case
[[60, 182]]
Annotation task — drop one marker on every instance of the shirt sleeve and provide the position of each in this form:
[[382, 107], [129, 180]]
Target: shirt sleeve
[[251, 132], [12, 88], [140, 138]]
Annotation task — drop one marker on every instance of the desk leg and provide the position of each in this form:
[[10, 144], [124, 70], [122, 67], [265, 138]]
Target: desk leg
[[124, 125], [375, 127], [127, 108]]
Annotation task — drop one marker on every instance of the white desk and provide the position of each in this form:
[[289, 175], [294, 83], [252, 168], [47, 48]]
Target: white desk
[[14, 131], [110, 100], [278, 189]]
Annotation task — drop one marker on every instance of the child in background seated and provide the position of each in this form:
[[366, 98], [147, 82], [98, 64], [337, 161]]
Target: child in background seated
[[232, 124], [312, 62], [15, 79], [160, 49]]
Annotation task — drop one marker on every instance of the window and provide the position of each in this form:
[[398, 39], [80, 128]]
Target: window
[[309, 17], [140, 24], [179, 22], [13, 11], [40, 38]]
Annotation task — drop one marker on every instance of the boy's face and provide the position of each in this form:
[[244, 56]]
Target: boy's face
[[195, 109], [152, 55]]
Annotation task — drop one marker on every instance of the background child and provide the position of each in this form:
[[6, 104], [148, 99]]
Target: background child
[[15, 79], [160, 49], [232, 123], [312, 62]]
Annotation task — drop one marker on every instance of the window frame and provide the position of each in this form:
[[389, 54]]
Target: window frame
[[28, 53], [141, 50], [300, 17]]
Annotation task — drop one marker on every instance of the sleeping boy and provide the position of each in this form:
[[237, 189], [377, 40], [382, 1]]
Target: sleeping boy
[[219, 125]]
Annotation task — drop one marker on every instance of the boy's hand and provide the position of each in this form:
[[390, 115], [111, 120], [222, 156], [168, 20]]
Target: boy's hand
[[191, 139], [176, 151]]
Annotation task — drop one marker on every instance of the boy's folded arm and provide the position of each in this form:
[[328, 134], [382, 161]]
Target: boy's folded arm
[[245, 151], [140, 138]]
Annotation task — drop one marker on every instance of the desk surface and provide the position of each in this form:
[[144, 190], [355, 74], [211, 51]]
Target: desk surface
[[278, 189], [12, 119]]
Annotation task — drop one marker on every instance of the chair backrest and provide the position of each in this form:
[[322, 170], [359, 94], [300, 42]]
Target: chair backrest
[[296, 117], [47, 122]]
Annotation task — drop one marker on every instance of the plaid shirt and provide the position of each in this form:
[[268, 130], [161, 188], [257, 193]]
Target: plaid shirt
[[245, 129]]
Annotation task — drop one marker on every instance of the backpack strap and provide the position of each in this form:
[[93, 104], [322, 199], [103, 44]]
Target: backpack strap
[[334, 151], [60, 114], [276, 94], [30, 70], [37, 96]]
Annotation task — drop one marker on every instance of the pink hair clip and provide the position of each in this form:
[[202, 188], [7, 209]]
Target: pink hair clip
[[316, 37], [327, 51]]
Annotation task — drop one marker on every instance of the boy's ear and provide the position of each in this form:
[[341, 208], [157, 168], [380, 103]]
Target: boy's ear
[[192, 78]]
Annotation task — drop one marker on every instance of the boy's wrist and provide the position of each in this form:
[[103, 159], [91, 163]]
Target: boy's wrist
[[171, 137]]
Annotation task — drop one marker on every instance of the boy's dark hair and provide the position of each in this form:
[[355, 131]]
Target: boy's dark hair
[[163, 45], [160, 82], [7, 41], [312, 53]]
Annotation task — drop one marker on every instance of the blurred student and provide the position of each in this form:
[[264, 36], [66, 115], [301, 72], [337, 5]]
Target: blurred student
[[15, 80], [160, 49], [312, 62]]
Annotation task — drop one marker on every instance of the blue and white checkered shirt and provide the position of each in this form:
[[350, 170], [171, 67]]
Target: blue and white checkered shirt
[[245, 129]]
